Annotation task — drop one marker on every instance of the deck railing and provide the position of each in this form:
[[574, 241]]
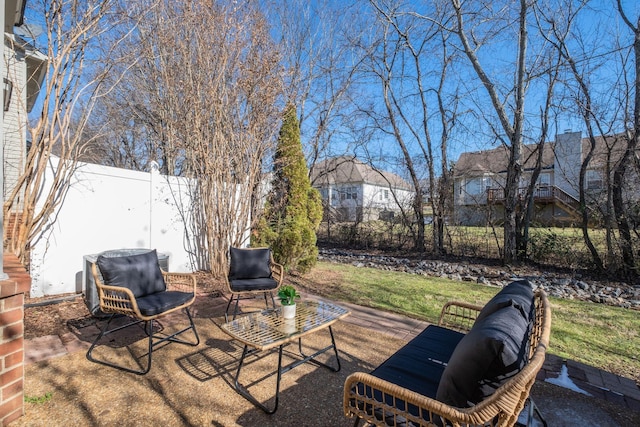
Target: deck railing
[[542, 193]]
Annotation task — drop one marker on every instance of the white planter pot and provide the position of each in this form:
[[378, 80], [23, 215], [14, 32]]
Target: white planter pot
[[289, 311], [289, 326]]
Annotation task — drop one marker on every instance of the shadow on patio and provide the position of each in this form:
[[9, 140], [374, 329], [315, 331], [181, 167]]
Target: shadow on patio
[[194, 386]]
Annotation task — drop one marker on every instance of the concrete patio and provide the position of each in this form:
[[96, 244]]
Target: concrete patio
[[193, 385]]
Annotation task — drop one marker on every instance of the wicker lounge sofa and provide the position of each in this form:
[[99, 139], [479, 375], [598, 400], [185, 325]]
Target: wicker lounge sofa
[[475, 368]]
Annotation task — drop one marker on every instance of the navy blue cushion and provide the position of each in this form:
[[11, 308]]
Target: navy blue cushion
[[495, 349], [417, 366], [260, 284], [160, 302], [518, 294], [140, 273], [249, 263]]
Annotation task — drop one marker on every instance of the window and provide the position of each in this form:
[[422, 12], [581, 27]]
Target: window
[[8, 89], [386, 194], [334, 197], [544, 179], [351, 193], [474, 186], [593, 179]]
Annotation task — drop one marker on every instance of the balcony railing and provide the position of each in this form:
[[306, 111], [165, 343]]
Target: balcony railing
[[542, 194]]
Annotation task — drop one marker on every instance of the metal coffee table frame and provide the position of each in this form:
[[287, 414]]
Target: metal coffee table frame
[[267, 330]]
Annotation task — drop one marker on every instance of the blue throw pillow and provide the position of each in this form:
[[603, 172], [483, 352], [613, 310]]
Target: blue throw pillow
[[140, 273], [518, 294], [495, 349], [249, 263]]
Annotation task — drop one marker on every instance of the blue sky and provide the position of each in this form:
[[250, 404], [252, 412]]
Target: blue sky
[[598, 25]]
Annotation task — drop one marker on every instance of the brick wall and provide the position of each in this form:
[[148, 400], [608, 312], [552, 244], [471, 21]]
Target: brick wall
[[12, 292]]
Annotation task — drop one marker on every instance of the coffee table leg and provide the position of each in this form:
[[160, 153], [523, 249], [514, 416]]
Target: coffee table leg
[[245, 393], [313, 356]]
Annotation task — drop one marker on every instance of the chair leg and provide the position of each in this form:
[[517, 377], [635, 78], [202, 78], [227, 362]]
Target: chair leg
[[180, 341], [235, 310], [273, 301], [226, 311], [148, 328]]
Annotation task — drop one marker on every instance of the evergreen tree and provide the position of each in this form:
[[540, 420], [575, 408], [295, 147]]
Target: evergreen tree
[[293, 210]]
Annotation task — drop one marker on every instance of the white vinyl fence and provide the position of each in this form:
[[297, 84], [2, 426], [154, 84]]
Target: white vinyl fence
[[108, 208]]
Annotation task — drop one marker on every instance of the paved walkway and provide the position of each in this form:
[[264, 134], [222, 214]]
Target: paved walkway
[[598, 383]]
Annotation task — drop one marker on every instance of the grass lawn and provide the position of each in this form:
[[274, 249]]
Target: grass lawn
[[595, 334]]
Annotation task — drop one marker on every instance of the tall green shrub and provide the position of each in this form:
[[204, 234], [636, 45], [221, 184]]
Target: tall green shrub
[[293, 210]]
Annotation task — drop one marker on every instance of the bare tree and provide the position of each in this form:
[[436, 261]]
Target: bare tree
[[320, 64], [68, 95], [632, 134], [512, 120], [611, 156], [203, 98], [402, 60]]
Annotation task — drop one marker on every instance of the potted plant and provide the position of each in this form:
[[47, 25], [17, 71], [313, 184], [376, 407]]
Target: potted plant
[[288, 295]]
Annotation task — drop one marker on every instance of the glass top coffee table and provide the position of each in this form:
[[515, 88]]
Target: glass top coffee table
[[267, 330]]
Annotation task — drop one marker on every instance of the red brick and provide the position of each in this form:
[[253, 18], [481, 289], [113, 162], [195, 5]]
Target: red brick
[[13, 389], [8, 288], [14, 359], [11, 316], [13, 416], [11, 346], [11, 375], [14, 302], [9, 406], [13, 331]]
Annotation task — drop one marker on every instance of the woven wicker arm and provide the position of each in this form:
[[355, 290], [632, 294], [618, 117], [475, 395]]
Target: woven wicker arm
[[277, 270], [183, 282], [499, 409], [458, 316], [120, 300]]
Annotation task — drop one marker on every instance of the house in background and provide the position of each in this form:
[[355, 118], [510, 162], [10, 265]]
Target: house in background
[[480, 176], [354, 191]]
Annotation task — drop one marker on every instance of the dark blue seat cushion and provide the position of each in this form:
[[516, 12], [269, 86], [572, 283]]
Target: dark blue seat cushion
[[249, 263], [140, 273], [260, 284], [418, 365], [160, 302]]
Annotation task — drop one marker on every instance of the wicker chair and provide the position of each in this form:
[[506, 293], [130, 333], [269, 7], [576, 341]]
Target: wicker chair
[[362, 391], [252, 273], [136, 287]]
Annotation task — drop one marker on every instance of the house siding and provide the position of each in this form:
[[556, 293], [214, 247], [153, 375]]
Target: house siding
[[15, 119], [338, 179], [556, 194]]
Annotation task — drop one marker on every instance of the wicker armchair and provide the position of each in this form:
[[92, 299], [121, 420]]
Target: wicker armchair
[[136, 287], [401, 406], [252, 273]]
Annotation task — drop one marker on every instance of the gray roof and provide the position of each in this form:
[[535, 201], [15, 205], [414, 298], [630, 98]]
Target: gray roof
[[495, 161], [349, 170]]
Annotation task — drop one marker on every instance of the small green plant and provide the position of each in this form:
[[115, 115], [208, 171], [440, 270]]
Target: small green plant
[[288, 295], [39, 399]]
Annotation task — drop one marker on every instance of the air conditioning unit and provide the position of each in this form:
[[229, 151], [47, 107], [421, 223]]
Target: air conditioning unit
[[91, 291]]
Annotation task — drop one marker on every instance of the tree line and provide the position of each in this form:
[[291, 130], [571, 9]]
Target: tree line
[[201, 88]]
